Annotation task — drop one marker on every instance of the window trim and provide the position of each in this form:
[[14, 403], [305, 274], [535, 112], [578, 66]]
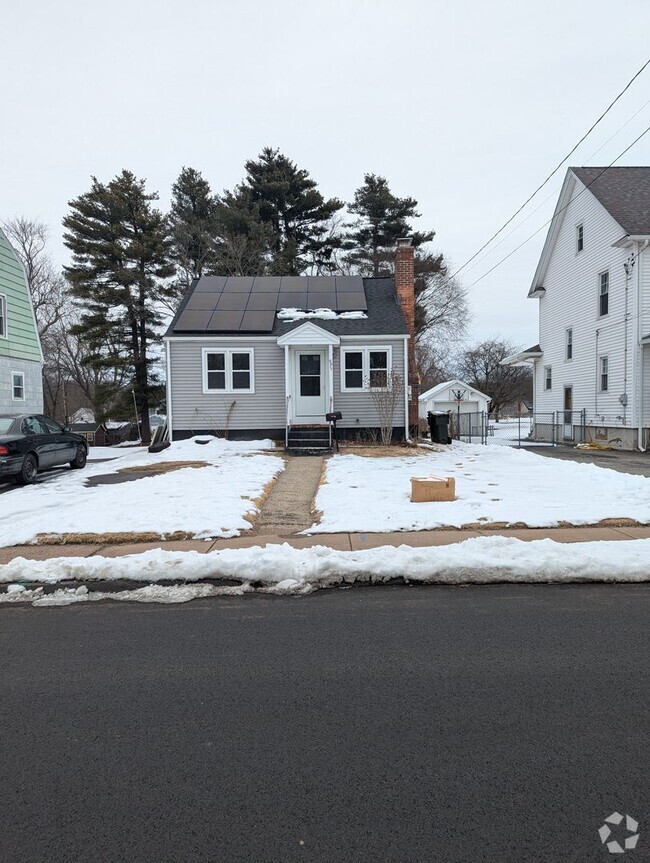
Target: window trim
[[602, 389], [609, 284], [365, 351], [568, 343], [547, 377], [580, 238], [228, 352], [15, 398], [3, 315]]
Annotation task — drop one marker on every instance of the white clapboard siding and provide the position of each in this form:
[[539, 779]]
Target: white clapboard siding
[[571, 301]]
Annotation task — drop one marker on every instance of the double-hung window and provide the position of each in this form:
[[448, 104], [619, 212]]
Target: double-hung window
[[569, 344], [365, 369], [580, 238], [228, 371], [548, 377], [3, 316], [18, 386], [603, 294], [604, 374]]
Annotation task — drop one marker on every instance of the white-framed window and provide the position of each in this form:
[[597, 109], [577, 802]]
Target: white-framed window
[[569, 344], [365, 369], [228, 370], [580, 238], [3, 316], [603, 383], [18, 386], [603, 294], [548, 377]]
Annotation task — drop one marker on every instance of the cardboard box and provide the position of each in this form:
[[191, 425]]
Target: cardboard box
[[425, 489]]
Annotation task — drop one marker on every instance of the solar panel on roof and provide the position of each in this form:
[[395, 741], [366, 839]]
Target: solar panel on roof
[[266, 284], [293, 283], [322, 283], [294, 300], [238, 285], [321, 300], [225, 321], [345, 284], [258, 321], [232, 302], [350, 302], [199, 302], [210, 284], [191, 321], [262, 302]]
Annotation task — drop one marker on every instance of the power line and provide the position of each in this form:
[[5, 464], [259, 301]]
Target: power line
[[561, 210], [556, 169], [557, 188]]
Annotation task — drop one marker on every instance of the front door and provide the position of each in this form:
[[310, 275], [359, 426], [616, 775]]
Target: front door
[[568, 413], [309, 387]]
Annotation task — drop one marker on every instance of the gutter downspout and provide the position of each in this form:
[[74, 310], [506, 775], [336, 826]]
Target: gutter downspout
[[640, 347]]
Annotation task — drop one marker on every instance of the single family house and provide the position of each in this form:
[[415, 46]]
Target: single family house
[[271, 356], [21, 358], [592, 363]]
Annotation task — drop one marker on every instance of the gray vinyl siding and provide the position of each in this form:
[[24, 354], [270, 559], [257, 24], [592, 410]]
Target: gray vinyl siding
[[358, 409], [192, 409]]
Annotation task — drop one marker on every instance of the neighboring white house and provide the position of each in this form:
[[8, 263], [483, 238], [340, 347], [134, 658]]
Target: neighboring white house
[[443, 397], [592, 364]]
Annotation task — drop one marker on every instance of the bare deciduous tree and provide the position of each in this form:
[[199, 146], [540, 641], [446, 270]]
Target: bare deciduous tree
[[386, 401], [481, 367]]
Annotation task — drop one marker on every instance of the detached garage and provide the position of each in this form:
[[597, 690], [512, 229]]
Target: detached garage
[[443, 398]]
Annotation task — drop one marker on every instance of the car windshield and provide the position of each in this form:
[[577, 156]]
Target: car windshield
[[5, 424]]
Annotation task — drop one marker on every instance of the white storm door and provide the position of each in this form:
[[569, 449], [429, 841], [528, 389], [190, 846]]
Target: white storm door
[[309, 386]]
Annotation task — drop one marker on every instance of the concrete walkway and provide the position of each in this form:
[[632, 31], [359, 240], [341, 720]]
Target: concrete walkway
[[339, 541], [288, 508]]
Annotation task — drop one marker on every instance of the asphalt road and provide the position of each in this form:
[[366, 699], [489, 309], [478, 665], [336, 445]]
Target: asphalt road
[[378, 724]]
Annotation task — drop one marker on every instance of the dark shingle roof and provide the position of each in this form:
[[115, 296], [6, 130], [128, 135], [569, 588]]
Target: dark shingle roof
[[384, 316], [623, 192]]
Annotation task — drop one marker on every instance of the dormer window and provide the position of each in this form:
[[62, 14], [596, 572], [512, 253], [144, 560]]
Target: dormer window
[[580, 238]]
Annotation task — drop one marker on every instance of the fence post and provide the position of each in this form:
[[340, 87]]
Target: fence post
[[554, 422], [519, 431]]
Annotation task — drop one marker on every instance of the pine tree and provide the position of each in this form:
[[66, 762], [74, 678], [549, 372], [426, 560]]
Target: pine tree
[[193, 227], [246, 242], [290, 203], [120, 264], [382, 219]]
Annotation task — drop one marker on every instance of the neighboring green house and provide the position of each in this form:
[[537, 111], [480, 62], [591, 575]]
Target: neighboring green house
[[21, 358]]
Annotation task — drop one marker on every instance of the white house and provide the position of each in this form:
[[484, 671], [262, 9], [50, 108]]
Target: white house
[[444, 397], [592, 363]]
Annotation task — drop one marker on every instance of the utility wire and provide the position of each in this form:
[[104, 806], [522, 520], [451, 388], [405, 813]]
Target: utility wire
[[557, 188], [556, 169], [561, 210]]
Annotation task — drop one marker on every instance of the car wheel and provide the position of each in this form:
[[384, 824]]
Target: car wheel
[[28, 470], [79, 460]]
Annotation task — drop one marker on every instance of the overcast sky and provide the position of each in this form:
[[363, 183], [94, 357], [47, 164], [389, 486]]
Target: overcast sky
[[465, 105]]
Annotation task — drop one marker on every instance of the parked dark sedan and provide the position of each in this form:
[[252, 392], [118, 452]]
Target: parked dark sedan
[[31, 443]]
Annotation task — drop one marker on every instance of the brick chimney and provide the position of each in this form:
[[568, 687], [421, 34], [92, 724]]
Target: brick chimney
[[405, 290]]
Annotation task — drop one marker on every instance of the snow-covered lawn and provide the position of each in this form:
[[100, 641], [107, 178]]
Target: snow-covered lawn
[[280, 569], [493, 484], [204, 501]]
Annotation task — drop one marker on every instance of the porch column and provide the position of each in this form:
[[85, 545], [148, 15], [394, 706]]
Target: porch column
[[330, 353], [287, 386]]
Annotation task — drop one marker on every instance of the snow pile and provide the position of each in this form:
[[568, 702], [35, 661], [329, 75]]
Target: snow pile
[[281, 569], [324, 315], [493, 484], [207, 501]]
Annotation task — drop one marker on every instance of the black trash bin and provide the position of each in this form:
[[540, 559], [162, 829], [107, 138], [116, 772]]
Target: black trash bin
[[439, 426]]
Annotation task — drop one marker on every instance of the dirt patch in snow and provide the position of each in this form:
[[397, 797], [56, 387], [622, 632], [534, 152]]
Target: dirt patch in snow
[[162, 466], [397, 451], [110, 538]]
